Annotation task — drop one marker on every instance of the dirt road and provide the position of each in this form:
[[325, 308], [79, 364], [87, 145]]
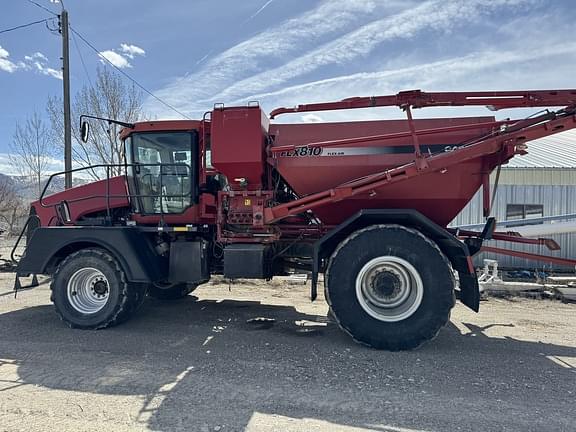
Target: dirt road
[[198, 365]]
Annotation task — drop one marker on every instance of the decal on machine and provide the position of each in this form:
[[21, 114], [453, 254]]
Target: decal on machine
[[311, 151], [303, 152]]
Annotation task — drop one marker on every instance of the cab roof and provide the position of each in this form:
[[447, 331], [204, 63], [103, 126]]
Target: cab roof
[[161, 125]]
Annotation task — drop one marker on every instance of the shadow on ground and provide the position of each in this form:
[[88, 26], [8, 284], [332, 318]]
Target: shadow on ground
[[204, 365]]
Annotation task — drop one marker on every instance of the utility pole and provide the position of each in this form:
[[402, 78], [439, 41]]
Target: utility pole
[[66, 82]]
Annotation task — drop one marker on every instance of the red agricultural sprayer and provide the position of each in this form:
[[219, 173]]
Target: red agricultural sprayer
[[365, 203]]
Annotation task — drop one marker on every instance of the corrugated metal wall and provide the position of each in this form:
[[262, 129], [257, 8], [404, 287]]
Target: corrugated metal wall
[[537, 176], [556, 199]]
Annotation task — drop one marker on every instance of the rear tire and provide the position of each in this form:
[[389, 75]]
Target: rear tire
[[175, 292], [390, 287], [90, 290]]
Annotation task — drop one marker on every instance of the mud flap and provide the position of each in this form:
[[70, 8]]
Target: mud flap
[[469, 290]]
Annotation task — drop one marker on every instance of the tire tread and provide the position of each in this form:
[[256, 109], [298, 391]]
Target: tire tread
[[446, 303], [131, 294]]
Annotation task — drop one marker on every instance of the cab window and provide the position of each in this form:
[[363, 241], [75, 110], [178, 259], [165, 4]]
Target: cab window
[[163, 171]]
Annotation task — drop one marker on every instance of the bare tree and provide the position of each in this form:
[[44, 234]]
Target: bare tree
[[13, 208], [31, 149], [108, 97], [7, 192]]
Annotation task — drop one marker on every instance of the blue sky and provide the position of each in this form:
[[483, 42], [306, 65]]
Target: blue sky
[[194, 53]]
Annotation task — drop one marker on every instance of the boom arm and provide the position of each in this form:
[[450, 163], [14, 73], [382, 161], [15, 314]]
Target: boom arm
[[495, 100]]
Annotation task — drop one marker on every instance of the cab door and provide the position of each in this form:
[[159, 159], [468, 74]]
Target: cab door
[[163, 171]]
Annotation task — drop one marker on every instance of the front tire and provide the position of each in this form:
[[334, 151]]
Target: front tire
[[390, 287], [90, 290]]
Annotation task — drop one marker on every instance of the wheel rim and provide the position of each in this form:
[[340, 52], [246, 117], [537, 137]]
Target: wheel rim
[[389, 288], [88, 290]]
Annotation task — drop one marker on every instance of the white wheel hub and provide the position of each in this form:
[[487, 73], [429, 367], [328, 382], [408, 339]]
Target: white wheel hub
[[88, 290], [389, 288]]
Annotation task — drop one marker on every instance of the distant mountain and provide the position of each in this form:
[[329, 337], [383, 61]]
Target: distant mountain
[[28, 189]]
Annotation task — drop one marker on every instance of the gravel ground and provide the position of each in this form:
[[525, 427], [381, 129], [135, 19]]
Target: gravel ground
[[198, 365]]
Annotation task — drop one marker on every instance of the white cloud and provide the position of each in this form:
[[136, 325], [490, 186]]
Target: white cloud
[[39, 62], [483, 70], [36, 61], [475, 44], [271, 46], [7, 165], [36, 56], [121, 59], [312, 118], [258, 12], [426, 74], [440, 15], [44, 70], [131, 50], [5, 64], [116, 59]]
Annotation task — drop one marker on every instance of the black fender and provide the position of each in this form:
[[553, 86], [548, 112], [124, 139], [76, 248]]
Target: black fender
[[454, 249], [49, 245]]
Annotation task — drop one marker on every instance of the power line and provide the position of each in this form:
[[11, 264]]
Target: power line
[[24, 25], [55, 30], [81, 58], [166, 104], [43, 7]]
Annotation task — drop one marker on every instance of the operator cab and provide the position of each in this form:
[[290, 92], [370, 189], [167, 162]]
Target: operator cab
[[162, 163], [162, 171]]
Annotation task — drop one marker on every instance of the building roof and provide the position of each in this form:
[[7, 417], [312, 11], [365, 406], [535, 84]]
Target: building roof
[[556, 151]]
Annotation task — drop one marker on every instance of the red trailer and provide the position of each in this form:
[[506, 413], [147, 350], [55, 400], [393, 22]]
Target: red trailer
[[365, 203]]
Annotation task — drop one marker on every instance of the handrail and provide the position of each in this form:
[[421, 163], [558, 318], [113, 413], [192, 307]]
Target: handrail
[[91, 167], [161, 195]]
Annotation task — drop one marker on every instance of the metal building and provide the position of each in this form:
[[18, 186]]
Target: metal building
[[539, 184]]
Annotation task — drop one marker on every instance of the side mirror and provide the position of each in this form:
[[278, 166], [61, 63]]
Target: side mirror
[[85, 131]]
